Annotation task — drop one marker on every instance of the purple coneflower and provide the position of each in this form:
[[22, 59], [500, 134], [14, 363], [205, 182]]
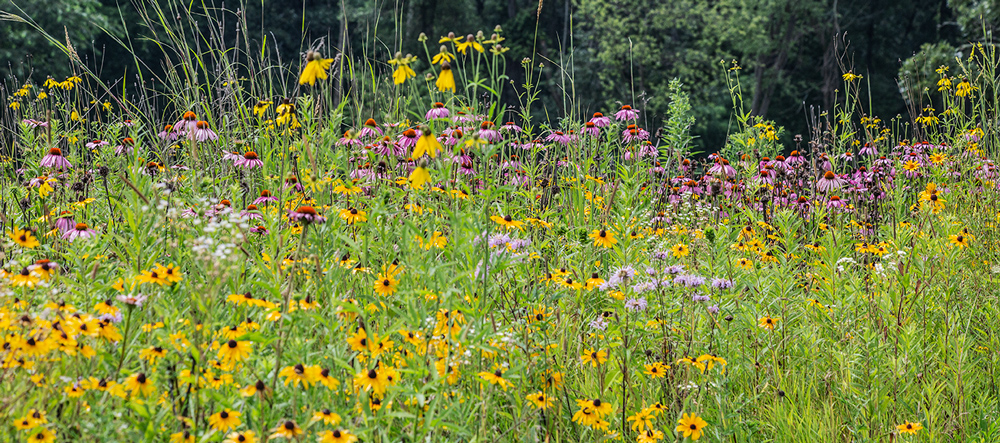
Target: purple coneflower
[[829, 182], [511, 127], [437, 111], [626, 113], [249, 161], [203, 133], [265, 196], [81, 230], [133, 300], [187, 124], [65, 221], [487, 132], [600, 120], [370, 130], [252, 212], [96, 144], [167, 133], [232, 156], [306, 214], [32, 123], [127, 146], [590, 128], [408, 139], [55, 159]]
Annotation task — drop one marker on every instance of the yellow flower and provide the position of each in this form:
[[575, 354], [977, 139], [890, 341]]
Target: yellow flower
[[641, 420], [496, 378], [594, 358], [909, 428], [691, 426], [540, 400], [403, 70], [768, 322], [680, 250], [426, 144], [446, 79], [443, 56], [959, 240], [603, 238], [656, 370], [316, 67], [224, 420], [469, 43], [234, 351], [507, 222], [352, 216], [42, 436], [337, 436], [23, 238]]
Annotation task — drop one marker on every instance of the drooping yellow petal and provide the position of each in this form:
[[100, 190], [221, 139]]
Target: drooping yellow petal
[[419, 177], [426, 144]]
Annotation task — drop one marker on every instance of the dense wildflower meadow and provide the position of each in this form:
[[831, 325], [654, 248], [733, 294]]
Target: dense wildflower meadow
[[345, 250]]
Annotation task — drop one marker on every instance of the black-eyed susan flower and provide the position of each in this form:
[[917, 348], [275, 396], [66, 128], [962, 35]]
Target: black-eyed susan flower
[[152, 354], [315, 68], [25, 278], [184, 436], [234, 351], [507, 222], [225, 420], [768, 322], [656, 370], [23, 238], [152, 276], [959, 240], [540, 400], [241, 437], [641, 420], [299, 374], [42, 436], [353, 215], [375, 380], [909, 428], [139, 384], [496, 378], [691, 426], [385, 285], [594, 357], [680, 250], [287, 429], [336, 436], [649, 436], [326, 416], [603, 238]]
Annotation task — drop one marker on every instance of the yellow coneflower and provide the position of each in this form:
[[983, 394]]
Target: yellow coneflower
[[446, 79], [419, 177], [224, 420], [403, 70], [426, 144], [261, 108], [594, 358], [603, 238], [316, 67], [691, 426]]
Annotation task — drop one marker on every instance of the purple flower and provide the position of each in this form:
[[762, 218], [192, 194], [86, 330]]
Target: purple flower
[[32, 123], [203, 133], [249, 161], [437, 111], [65, 222], [81, 230], [167, 134], [55, 159], [636, 304], [558, 137], [722, 283], [700, 298], [689, 280], [96, 144], [599, 323], [511, 127], [626, 113], [134, 300], [306, 214], [829, 182], [714, 309], [600, 120]]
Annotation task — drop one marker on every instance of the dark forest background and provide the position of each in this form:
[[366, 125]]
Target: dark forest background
[[597, 54]]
